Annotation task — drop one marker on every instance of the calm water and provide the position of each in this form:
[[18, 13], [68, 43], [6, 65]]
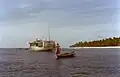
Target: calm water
[[87, 63]]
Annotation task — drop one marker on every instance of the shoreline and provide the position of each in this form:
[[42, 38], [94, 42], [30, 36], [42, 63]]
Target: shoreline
[[94, 47]]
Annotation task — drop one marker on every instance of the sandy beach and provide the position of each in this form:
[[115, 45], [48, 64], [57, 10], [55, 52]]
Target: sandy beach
[[94, 47]]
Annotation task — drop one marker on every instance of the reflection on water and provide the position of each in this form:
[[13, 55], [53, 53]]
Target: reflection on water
[[87, 63]]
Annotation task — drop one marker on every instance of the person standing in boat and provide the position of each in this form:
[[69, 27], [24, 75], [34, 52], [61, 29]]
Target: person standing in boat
[[57, 49]]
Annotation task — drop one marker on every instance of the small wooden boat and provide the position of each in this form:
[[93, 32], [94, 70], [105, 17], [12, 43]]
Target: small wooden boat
[[66, 55]]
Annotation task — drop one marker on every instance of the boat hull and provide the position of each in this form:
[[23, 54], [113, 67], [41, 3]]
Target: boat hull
[[66, 55]]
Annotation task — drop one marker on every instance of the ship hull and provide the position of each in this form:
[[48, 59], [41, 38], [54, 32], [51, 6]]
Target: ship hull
[[34, 48]]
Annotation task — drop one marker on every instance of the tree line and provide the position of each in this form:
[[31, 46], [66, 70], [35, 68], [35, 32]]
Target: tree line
[[115, 41]]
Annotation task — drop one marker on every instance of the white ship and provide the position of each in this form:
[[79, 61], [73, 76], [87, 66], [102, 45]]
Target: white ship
[[42, 45]]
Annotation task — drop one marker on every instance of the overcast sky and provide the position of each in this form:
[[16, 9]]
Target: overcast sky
[[69, 21]]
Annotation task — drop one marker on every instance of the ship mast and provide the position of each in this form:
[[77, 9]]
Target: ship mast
[[48, 33]]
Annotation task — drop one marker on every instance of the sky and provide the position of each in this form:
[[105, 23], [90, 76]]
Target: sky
[[69, 21]]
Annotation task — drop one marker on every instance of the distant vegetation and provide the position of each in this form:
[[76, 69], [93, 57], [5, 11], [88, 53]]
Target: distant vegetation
[[115, 41]]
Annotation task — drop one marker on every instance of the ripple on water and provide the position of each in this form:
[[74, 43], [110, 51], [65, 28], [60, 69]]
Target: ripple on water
[[86, 64]]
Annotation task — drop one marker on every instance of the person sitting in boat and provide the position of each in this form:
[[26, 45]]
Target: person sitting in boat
[[57, 50]]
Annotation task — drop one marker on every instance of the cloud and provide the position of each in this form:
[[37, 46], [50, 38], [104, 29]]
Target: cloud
[[69, 20], [18, 10]]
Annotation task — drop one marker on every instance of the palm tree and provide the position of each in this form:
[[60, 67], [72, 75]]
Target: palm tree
[[115, 41]]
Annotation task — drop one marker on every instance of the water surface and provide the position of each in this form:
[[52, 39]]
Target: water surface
[[87, 63]]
